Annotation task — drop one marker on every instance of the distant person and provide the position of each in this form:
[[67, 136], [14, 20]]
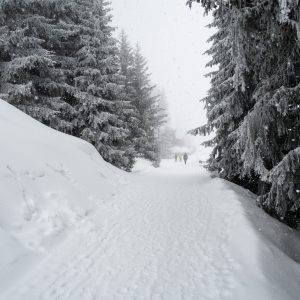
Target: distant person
[[176, 157], [185, 157], [180, 157]]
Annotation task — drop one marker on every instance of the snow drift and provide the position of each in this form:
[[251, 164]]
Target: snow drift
[[49, 183]]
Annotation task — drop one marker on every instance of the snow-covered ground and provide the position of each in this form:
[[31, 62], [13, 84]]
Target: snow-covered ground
[[50, 185], [74, 227]]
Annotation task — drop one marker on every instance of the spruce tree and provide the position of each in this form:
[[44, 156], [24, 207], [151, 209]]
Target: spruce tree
[[167, 140], [29, 77], [259, 108], [130, 113], [59, 64], [229, 98], [167, 134], [102, 106], [149, 114]]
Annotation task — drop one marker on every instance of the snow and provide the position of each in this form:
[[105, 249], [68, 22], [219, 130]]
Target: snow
[[74, 227], [49, 183]]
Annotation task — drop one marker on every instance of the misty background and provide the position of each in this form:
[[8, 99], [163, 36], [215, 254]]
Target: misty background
[[173, 38]]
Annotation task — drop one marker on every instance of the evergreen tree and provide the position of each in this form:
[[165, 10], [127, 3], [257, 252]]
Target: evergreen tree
[[29, 76], [149, 114], [167, 140], [126, 63], [229, 98], [130, 112], [101, 119], [58, 63], [253, 104], [145, 112], [167, 135]]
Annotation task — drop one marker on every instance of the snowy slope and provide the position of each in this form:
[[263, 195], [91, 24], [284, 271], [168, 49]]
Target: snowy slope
[[73, 227], [49, 184]]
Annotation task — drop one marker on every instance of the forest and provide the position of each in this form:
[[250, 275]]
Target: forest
[[105, 189], [253, 105], [60, 63]]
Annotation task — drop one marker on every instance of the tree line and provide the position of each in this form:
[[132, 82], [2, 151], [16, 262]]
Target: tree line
[[60, 64], [253, 105]]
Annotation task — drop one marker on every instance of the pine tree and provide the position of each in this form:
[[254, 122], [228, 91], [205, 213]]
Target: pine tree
[[149, 114], [229, 97], [253, 103], [126, 63], [102, 106], [28, 66], [130, 113], [59, 64], [167, 134], [167, 140]]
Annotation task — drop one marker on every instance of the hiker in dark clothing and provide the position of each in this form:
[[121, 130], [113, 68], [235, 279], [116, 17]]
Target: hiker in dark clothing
[[185, 157]]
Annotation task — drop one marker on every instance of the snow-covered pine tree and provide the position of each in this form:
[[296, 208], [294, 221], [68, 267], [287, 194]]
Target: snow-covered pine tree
[[102, 99], [167, 140], [130, 113], [167, 134], [59, 64], [229, 97], [273, 124], [28, 67], [126, 63], [264, 42], [149, 113]]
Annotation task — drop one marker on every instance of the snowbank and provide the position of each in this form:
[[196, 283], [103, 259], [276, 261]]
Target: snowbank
[[266, 251], [49, 183], [170, 233]]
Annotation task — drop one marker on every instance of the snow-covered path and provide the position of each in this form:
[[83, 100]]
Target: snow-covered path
[[169, 234]]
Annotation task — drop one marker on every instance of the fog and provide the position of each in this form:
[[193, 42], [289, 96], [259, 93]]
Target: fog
[[173, 39]]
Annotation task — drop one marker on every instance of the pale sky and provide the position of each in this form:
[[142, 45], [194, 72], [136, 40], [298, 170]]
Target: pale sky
[[173, 39]]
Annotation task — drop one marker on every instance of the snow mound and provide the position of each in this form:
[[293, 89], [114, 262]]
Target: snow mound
[[49, 183], [166, 233]]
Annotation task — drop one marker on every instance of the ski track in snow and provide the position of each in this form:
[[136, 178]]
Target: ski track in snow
[[158, 240]]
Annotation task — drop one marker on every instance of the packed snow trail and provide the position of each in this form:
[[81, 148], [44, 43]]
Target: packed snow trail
[[169, 234]]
